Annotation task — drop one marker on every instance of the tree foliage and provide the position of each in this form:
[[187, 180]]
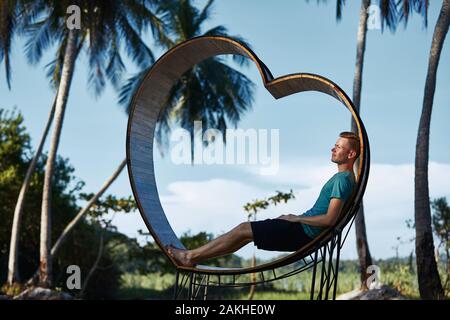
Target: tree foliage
[[81, 247]]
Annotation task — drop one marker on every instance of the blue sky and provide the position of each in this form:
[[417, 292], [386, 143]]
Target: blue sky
[[289, 38]]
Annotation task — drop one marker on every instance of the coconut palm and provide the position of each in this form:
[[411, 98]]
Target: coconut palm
[[362, 245], [13, 15], [430, 286], [215, 98], [107, 28], [388, 17], [13, 272], [211, 92], [393, 12]]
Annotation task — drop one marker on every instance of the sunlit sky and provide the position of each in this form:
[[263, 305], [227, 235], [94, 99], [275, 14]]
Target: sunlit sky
[[289, 38]]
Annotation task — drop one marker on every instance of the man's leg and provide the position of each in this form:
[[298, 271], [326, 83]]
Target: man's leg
[[225, 244]]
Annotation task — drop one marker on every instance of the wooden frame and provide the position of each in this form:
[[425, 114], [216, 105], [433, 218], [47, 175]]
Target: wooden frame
[[147, 104]]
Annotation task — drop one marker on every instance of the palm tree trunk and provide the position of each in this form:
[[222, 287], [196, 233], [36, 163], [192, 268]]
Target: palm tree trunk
[[362, 245], [13, 272], [45, 264], [79, 215], [430, 286]]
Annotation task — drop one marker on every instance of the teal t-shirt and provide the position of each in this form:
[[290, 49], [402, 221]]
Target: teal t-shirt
[[339, 186]]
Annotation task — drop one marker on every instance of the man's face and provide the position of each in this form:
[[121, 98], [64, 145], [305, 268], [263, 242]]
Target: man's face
[[341, 152]]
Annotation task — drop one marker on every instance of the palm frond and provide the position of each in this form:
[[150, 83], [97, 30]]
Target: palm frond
[[136, 49], [204, 14], [339, 5], [147, 14], [214, 90], [96, 77], [160, 31], [408, 7], [166, 119], [54, 67], [232, 89], [115, 66], [389, 14], [8, 24], [211, 91], [405, 10], [41, 35], [223, 32], [129, 88]]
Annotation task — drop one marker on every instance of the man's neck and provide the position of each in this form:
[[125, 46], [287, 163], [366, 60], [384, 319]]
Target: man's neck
[[345, 167]]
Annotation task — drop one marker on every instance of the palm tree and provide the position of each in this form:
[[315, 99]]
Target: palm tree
[[392, 13], [362, 245], [388, 15], [211, 92], [13, 272], [107, 25], [430, 286], [127, 91], [13, 15]]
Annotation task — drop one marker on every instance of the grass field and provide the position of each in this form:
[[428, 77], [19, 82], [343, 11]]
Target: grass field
[[398, 274]]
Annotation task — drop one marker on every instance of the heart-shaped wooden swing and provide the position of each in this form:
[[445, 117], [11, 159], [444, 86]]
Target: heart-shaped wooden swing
[[147, 104]]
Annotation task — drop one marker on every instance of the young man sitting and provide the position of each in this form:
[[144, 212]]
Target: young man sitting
[[287, 232]]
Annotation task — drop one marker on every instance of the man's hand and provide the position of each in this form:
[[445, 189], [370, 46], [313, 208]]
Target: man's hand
[[324, 220], [289, 217]]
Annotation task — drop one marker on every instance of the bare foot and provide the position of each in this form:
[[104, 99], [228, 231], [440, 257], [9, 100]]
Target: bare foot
[[180, 256]]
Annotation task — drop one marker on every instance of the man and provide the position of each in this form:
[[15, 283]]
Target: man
[[288, 232]]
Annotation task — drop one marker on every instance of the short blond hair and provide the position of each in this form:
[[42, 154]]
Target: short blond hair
[[353, 140]]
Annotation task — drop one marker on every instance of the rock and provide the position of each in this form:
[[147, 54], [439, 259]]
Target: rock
[[382, 292], [38, 293]]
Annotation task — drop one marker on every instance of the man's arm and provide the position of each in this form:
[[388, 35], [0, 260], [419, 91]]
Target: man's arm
[[323, 220]]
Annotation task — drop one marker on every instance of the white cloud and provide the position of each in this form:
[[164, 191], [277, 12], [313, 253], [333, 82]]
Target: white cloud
[[303, 172], [211, 205]]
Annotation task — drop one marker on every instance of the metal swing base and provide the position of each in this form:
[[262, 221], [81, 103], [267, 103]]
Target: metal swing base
[[324, 262]]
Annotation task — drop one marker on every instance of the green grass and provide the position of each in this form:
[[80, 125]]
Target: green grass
[[396, 274], [152, 286], [157, 286], [276, 295]]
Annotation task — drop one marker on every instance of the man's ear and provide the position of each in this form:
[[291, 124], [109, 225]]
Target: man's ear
[[352, 154]]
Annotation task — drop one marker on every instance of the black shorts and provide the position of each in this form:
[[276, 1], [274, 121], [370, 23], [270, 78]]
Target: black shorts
[[279, 235]]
